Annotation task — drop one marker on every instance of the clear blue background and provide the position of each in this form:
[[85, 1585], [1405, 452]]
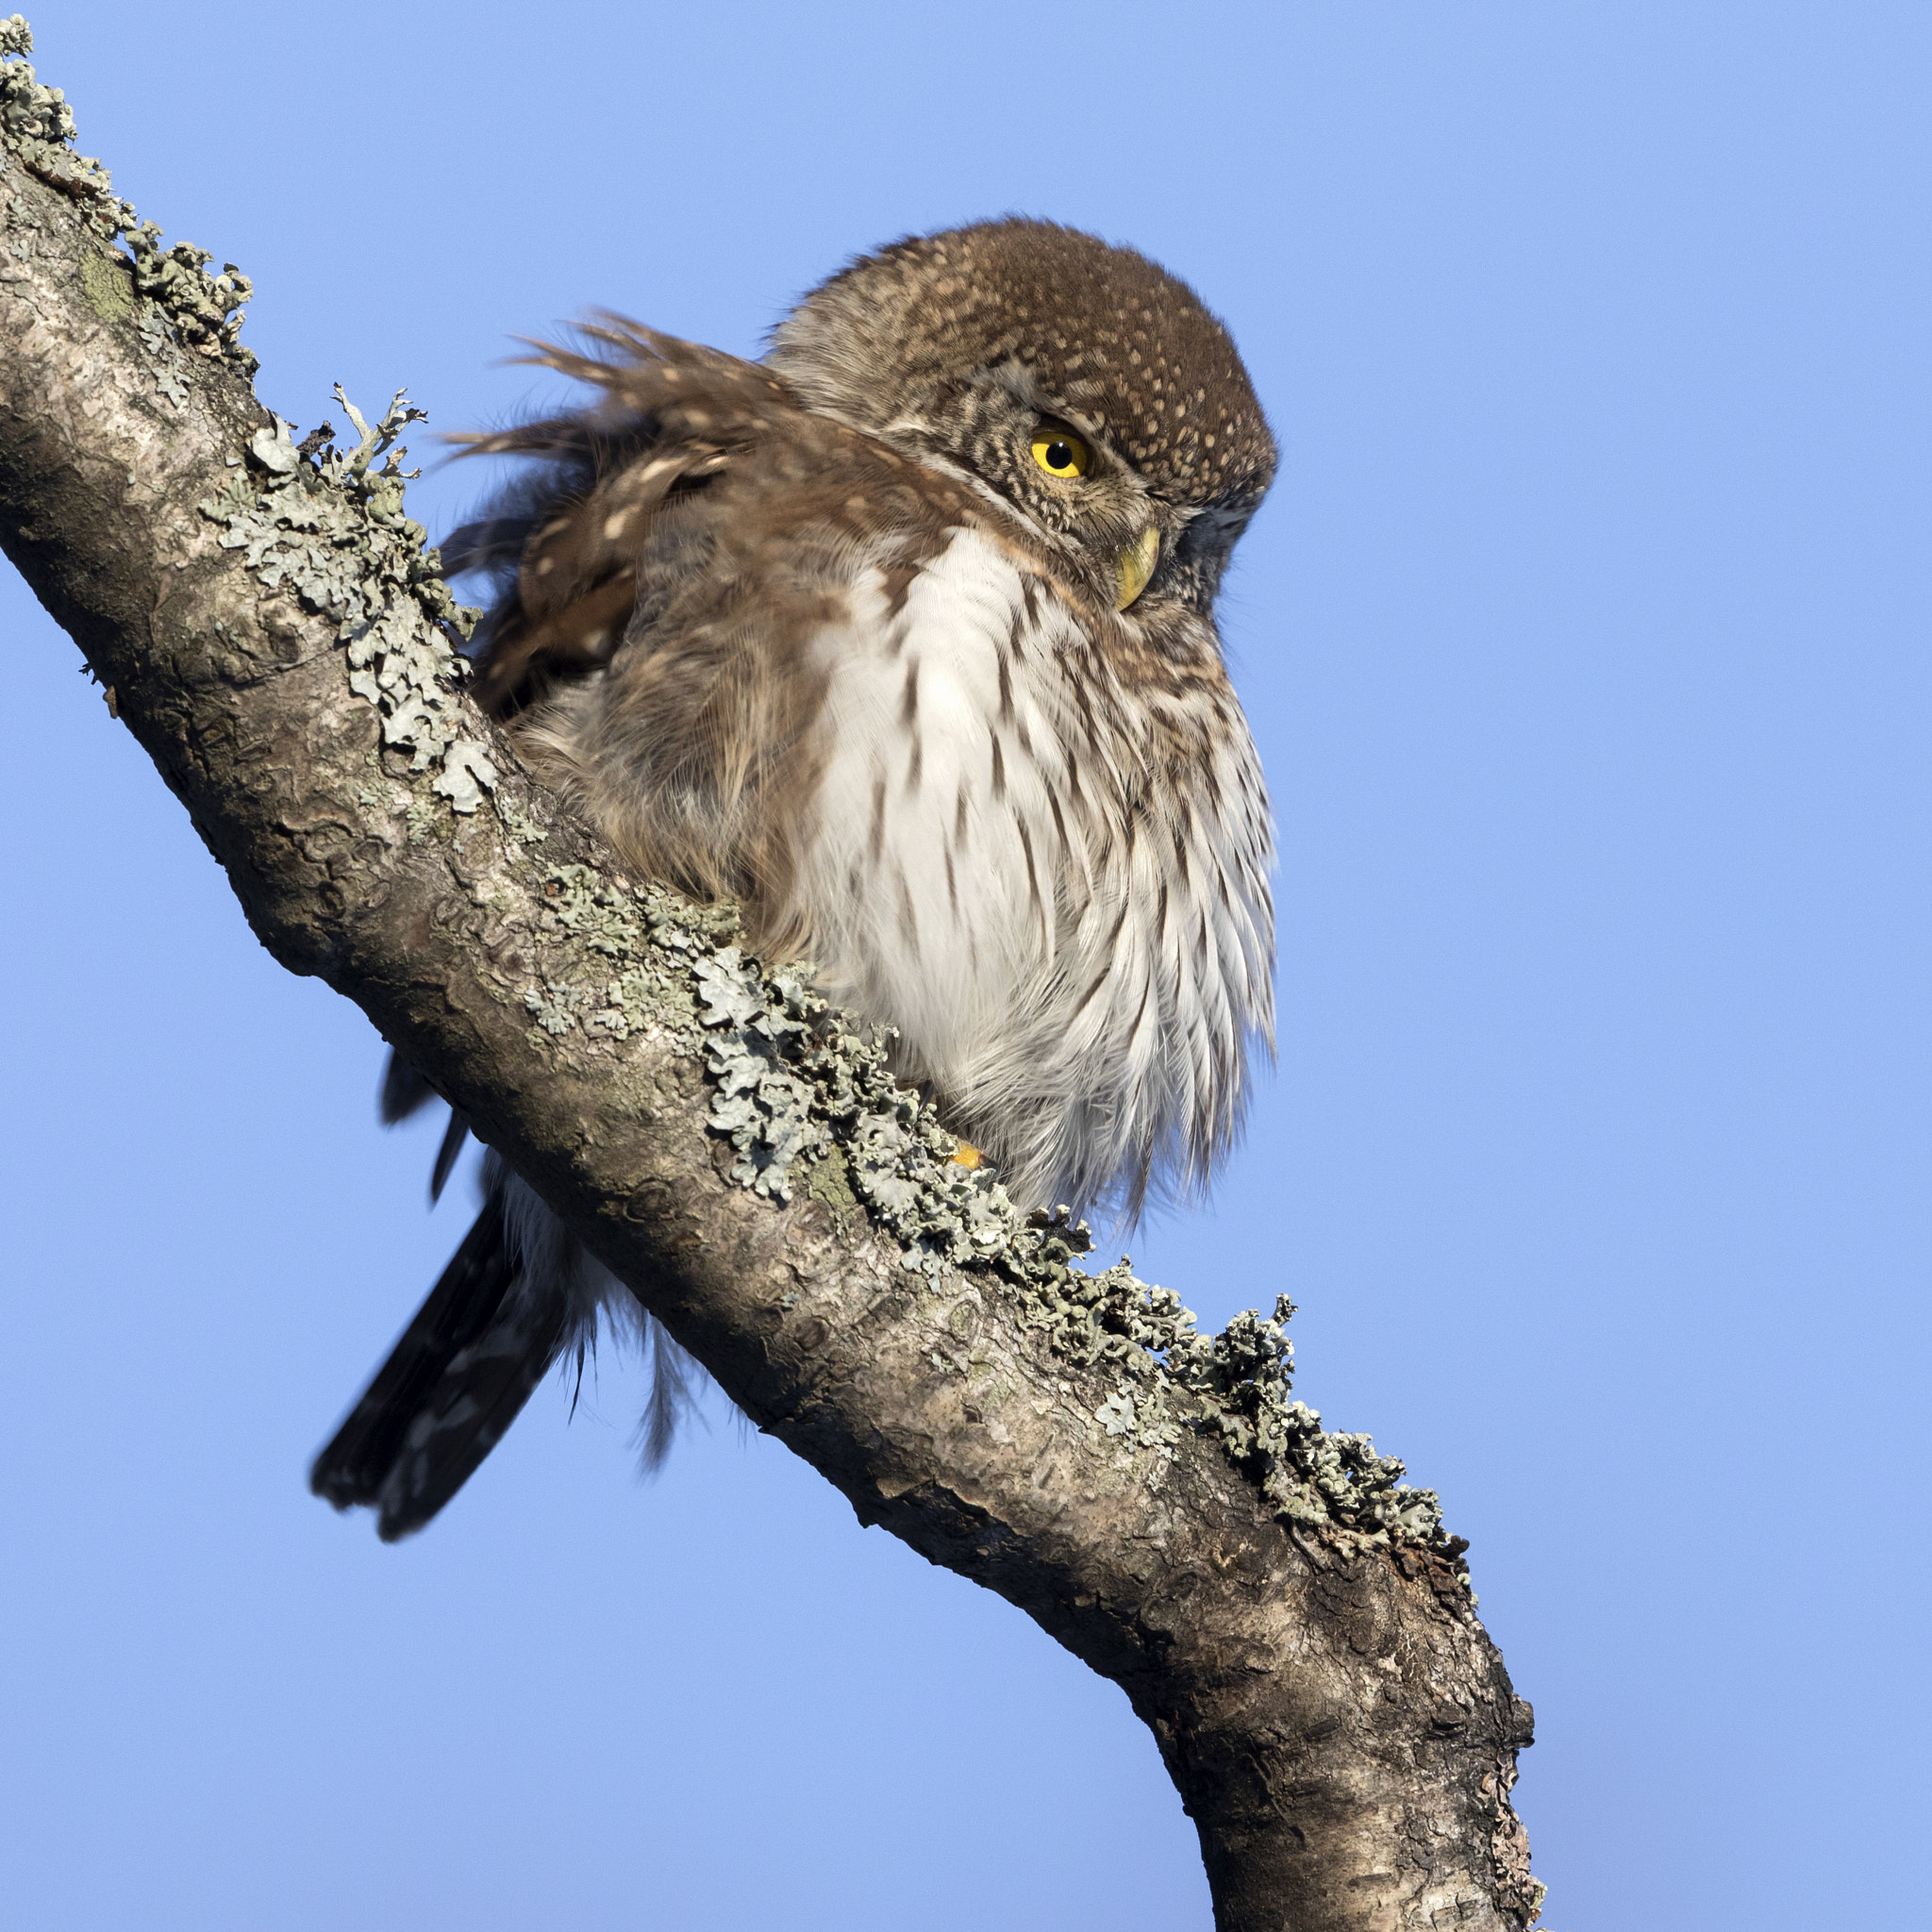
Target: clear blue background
[[1585, 637]]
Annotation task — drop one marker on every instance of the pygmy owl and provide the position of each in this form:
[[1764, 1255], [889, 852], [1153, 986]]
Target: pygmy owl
[[904, 639]]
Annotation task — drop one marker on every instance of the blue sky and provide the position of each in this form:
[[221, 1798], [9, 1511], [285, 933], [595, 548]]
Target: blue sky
[[1584, 637]]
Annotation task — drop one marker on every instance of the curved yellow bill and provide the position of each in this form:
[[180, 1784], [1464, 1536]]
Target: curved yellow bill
[[1137, 565]]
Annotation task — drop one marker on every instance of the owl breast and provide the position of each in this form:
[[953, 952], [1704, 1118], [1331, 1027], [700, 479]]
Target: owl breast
[[1052, 881]]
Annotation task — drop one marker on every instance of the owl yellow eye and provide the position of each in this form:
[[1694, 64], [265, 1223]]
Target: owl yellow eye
[[1060, 453]]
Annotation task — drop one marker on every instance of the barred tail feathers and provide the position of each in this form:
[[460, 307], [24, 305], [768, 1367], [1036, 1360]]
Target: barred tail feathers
[[458, 1377], [519, 1294]]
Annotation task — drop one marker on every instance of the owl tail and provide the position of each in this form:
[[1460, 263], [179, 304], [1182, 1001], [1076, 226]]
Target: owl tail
[[456, 1381], [518, 1294]]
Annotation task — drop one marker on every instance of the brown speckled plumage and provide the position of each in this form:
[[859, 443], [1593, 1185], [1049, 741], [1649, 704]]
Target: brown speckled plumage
[[1119, 343], [823, 634]]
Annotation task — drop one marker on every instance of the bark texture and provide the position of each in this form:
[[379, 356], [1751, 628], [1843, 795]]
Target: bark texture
[[1339, 1726]]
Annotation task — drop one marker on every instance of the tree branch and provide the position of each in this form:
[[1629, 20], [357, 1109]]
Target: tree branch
[[1293, 1624]]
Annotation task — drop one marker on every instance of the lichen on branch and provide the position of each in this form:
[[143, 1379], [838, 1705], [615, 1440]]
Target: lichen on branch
[[180, 301], [329, 525], [809, 1104]]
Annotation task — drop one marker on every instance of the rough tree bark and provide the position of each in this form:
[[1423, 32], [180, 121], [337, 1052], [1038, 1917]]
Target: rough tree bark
[[1297, 1631]]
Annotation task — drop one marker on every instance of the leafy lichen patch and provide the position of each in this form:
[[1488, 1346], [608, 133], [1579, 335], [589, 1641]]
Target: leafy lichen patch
[[202, 311], [808, 1108], [328, 525], [649, 938]]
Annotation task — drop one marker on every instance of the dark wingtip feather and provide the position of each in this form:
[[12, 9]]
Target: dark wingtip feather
[[403, 1090], [454, 1136], [455, 1382]]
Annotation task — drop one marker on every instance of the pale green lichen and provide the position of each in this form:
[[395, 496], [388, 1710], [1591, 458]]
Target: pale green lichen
[[161, 345], [328, 525], [518, 823], [106, 287], [179, 301], [810, 1109], [649, 937], [421, 817], [790, 1090]]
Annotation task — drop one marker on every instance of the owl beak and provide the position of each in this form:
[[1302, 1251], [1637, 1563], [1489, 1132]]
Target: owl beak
[[1137, 565]]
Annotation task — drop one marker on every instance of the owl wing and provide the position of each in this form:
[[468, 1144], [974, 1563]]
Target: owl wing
[[565, 546], [566, 549]]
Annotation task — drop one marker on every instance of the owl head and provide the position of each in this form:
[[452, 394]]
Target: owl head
[[1085, 388]]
